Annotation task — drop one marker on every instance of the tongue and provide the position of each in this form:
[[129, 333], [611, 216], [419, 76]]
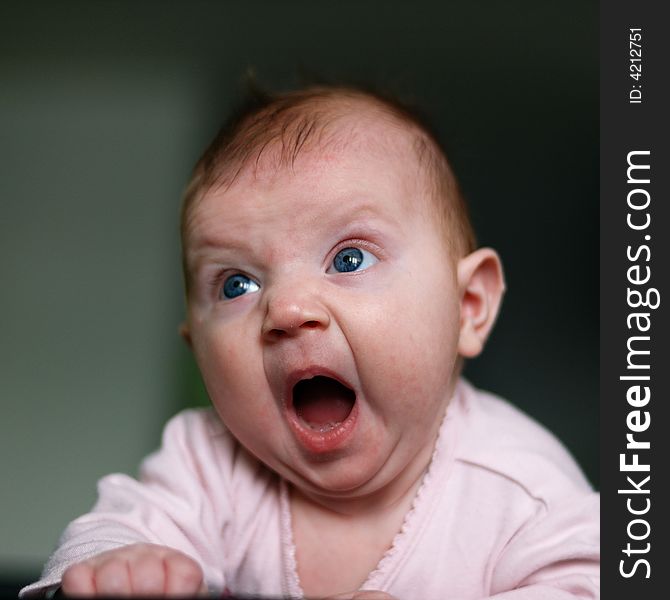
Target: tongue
[[322, 401]]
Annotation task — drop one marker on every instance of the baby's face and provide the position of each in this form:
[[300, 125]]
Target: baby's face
[[333, 274]]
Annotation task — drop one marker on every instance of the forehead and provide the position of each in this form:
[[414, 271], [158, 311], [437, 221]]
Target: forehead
[[357, 136], [366, 162]]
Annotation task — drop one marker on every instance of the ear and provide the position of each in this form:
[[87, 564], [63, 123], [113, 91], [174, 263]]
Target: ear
[[185, 334], [481, 285]]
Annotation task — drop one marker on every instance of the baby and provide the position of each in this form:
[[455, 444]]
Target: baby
[[333, 291]]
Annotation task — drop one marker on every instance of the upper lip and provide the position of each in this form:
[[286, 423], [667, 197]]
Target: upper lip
[[308, 373]]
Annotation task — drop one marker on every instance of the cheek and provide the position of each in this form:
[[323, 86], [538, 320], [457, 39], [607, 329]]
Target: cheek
[[410, 346], [233, 380], [418, 356]]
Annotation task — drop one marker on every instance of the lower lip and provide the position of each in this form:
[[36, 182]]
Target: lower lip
[[322, 442]]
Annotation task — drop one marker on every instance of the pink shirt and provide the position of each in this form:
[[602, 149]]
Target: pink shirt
[[503, 512]]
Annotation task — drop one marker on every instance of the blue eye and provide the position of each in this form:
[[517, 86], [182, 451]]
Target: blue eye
[[237, 285], [353, 259]]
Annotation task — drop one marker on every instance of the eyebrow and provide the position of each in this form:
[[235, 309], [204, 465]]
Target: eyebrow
[[362, 211], [217, 243], [211, 250]]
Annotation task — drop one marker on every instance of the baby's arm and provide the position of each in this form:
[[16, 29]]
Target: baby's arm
[[556, 556], [180, 502]]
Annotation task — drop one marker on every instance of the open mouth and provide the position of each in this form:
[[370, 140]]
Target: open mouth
[[322, 403], [323, 414]]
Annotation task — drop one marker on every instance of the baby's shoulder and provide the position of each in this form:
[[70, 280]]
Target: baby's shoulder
[[197, 440], [500, 438], [198, 434]]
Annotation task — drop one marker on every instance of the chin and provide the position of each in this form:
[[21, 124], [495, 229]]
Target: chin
[[342, 478]]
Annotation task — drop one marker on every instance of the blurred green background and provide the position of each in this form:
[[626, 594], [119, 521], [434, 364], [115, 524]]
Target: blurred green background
[[104, 108]]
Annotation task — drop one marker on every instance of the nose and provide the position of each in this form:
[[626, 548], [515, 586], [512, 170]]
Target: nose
[[290, 313]]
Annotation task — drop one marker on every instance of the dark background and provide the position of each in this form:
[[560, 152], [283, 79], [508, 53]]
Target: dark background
[[104, 108]]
